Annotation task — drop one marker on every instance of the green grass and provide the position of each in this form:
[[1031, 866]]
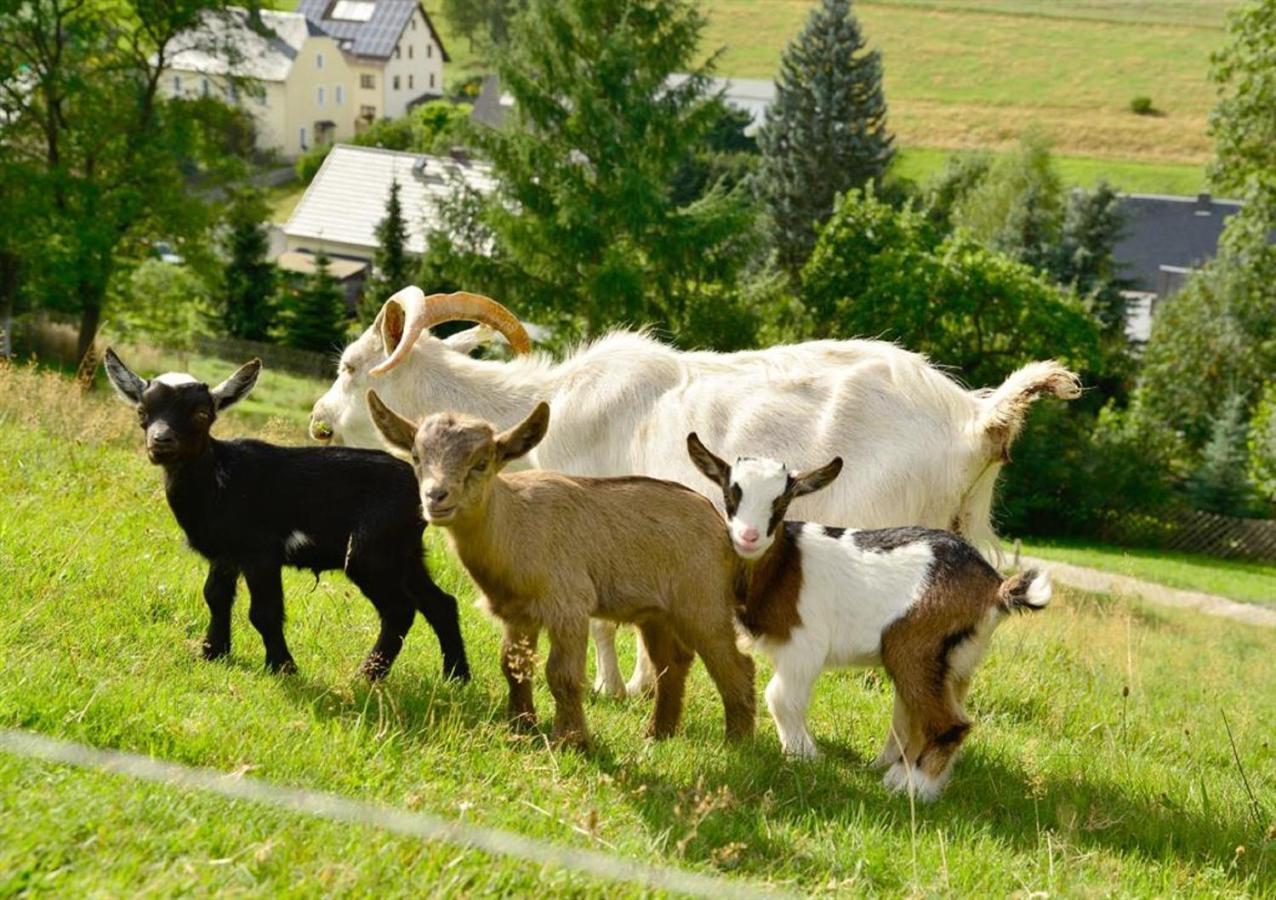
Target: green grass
[[1067, 786], [978, 73], [920, 163], [283, 199], [1252, 582]]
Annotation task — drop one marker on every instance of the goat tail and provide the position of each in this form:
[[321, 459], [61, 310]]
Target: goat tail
[[1006, 406], [1027, 591]]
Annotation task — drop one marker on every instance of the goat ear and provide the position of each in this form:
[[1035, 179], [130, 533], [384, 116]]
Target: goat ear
[[713, 467], [520, 439], [397, 431], [811, 481], [127, 383], [237, 386]]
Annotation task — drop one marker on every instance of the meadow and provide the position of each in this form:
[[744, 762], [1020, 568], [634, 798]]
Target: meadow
[[963, 74], [1099, 765]]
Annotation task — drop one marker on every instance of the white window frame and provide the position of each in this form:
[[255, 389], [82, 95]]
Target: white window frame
[[396, 82], [319, 95], [204, 87], [338, 95], [304, 145], [318, 60], [411, 82], [429, 51], [177, 84]]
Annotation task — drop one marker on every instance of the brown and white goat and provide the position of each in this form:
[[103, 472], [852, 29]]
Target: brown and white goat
[[923, 604], [551, 551]]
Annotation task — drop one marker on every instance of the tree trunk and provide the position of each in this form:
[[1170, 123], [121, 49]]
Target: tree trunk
[[90, 318]]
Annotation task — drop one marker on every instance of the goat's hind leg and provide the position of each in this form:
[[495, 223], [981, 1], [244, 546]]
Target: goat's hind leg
[[219, 594], [442, 615], [381, 584]]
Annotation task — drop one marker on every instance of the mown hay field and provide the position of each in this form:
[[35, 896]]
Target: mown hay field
[[1099, 764]]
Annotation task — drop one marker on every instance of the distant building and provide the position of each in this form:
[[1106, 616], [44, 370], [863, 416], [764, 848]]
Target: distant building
[[345, 202], [1166, 237], [319, 75]]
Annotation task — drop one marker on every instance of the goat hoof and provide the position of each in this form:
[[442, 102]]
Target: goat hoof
[[643, 690], [524, 723], [459, 673], [211, 651], [572, 739], [282, 666]]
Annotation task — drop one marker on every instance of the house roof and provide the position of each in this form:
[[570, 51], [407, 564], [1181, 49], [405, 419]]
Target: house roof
[[347, 197], [372, 27], [1163, 233], [228, 42], [303, 263], [751, 95]]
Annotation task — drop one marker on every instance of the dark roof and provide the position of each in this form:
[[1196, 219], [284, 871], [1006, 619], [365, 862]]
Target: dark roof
[[1179, 232], [376, 37]]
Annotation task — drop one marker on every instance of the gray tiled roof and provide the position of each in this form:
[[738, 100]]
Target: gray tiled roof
[[1171, 231], [346, 199], [376, 37], [227, 41]]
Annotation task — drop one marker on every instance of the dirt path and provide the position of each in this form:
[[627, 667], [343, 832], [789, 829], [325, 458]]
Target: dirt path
[[1108, 582]]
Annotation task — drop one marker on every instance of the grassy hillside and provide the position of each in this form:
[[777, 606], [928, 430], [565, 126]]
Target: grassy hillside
[[976, 73], [1099, 764]]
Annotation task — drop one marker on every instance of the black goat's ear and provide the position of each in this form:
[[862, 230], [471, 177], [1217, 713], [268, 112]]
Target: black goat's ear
[[398, 432], [812, 480], [713, 467], [237, 386], [127, 383], [520, 439]]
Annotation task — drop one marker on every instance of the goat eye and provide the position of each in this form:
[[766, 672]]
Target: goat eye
[[347, 368], [480, 466]]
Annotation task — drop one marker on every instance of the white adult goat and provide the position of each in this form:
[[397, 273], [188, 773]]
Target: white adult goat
[[925, 451]]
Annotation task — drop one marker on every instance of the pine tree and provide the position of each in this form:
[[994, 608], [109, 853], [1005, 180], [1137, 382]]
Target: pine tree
[[249, 280], [316, 311], [826, 131], [392, 269], [1219, 484]]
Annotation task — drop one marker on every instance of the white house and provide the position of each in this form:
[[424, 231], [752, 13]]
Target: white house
[[346, 200], [318, 75]]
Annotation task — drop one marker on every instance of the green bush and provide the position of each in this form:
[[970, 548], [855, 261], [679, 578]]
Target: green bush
[[1262, 446], [1142, 106], [309, 163]]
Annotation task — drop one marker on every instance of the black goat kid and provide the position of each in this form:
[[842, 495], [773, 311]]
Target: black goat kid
[[250, 507]]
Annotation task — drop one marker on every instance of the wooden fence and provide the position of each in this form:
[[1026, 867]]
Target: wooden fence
[[1194, 531]]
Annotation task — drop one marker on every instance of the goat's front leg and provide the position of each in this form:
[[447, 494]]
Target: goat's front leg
[[787, 696], [518, 662], [219, 594], [607, 678], [565, 672], [643, 682], [267, 615]]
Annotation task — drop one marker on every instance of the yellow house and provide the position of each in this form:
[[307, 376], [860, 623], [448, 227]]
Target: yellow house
[[313, 79]]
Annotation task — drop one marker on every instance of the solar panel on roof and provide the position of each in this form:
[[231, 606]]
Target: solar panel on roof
[[353, 10]]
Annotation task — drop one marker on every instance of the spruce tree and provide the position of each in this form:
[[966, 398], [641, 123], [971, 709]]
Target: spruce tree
[[248, 278], [1219, 484], [316, 311], [392, 269], [825, 133]]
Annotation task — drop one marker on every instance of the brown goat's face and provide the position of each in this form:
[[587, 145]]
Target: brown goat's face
[[456, 456]]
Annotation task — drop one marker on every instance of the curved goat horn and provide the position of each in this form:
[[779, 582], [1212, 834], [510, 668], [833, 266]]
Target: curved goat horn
[[410, 312]]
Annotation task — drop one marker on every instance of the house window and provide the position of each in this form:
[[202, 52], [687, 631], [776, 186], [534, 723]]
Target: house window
[[303, 137], [177, 84], [431, 79], [367, 82], [338, 95], [414, 23], [367, 112], [318, 60], [429, 51], [409, 51], [396, 82], [232, 94], [319, 95], [411, 83], [204, 87], [396, 51]]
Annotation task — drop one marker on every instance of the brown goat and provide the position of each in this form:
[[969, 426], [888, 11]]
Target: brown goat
[[550, 551]]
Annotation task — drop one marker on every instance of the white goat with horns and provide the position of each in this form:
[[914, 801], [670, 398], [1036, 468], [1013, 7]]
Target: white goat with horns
[[925, 450]]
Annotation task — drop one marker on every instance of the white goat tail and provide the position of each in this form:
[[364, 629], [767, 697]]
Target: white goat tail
[[1006, 406], [1027, 591]]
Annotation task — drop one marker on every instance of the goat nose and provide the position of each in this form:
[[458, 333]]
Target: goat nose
[[436, 495], [749, 535]]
